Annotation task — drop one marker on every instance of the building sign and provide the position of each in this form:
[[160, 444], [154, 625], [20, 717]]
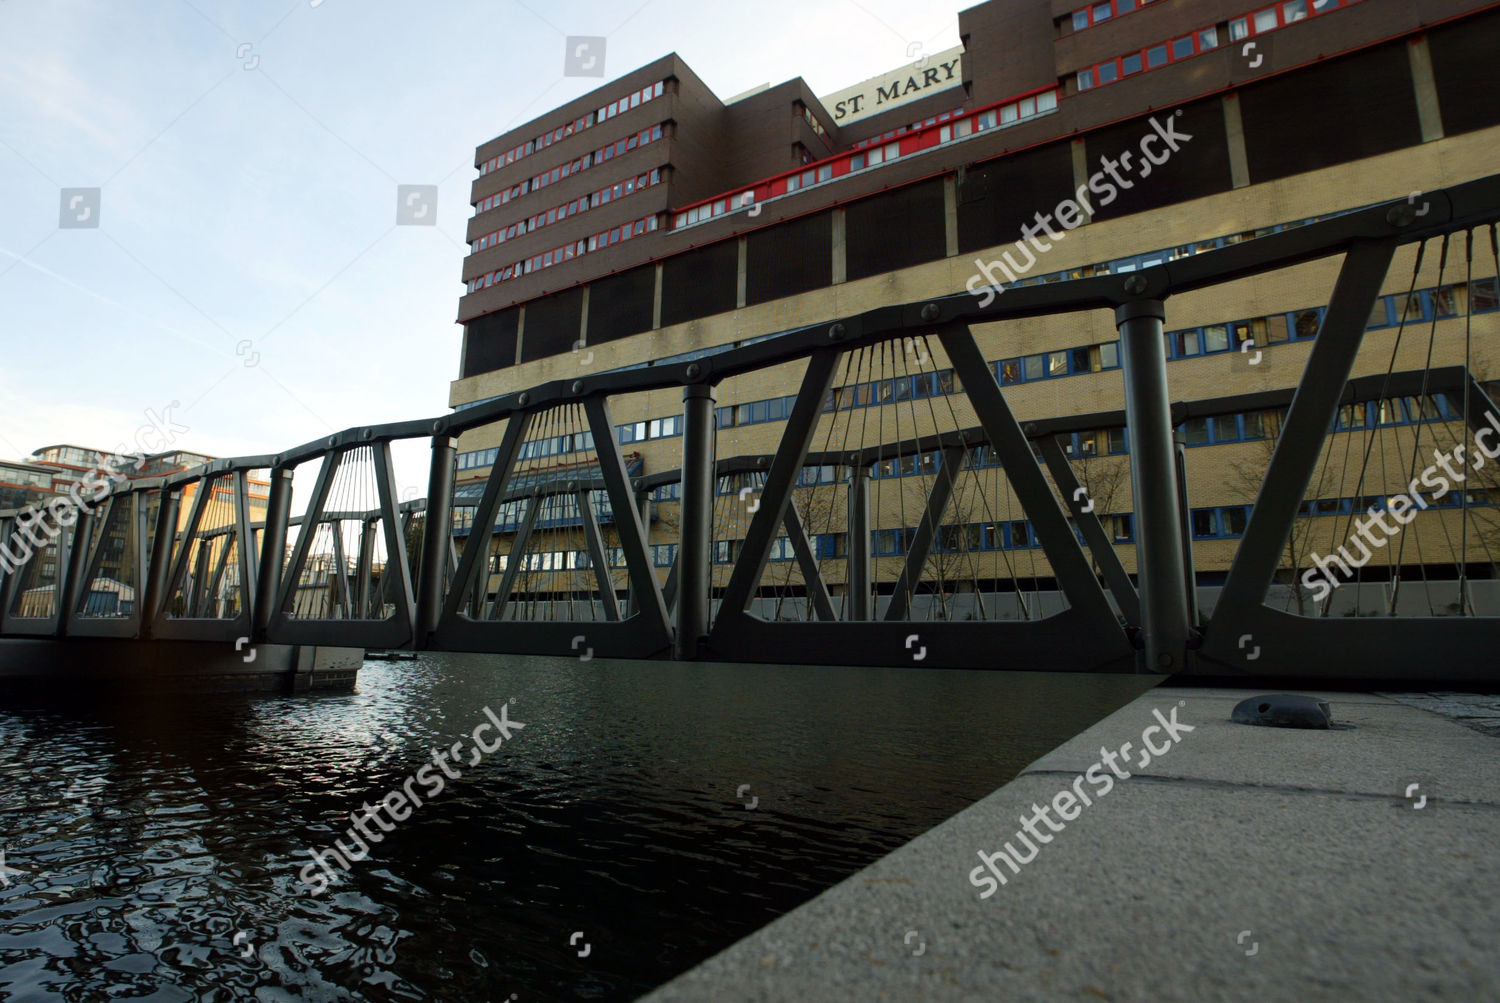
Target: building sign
[[936, 72]]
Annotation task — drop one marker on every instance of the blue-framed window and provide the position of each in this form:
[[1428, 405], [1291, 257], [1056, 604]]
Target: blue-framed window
[[828, 546], [825, 474], [1223, 522], [663, 554]]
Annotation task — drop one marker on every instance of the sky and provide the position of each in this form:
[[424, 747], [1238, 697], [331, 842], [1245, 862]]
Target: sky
[[241, 278]]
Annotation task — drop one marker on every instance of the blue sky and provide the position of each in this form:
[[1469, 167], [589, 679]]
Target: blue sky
[[258, 204]]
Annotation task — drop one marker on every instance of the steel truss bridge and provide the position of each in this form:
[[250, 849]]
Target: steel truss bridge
[[219, 553]]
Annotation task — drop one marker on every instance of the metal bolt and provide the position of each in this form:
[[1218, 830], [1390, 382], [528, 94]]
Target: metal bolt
[[837, 331], [1135, 284], [931, 311], [693, 370], [523, 398], [437, 426], [333, 440], [578, 386], [1401, 214], [367, 433]]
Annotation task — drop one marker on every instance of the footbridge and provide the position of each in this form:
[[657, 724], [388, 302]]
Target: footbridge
[[908, 514]]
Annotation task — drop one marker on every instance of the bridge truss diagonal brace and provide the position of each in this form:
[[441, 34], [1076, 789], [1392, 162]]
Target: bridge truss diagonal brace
[[475, 559], [812, 575], [652, 608], [776, 497], [1074, 575], [1297, 450], [1120, 585], [594, 540], [513, 561], [926, 534]]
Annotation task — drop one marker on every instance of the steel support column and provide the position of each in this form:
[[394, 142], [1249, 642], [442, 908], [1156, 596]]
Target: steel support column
[[695, 541], [1153, 474], [437, 538], [272, 547], [1184, 522], [857, 605]]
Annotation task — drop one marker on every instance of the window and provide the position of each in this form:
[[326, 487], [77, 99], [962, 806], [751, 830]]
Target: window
[[1184, 343], [1057, 364], [1208, 38], [1215, 338], [1182, 47], [1108, 73], [1156, 56], [1085, 79], [1265, 20], [1295, 10], [1102, 12], [1196, 430], [1010, 371], [1130, 64], [1205, 523], [1109, 355], [1483, 296], [1238, 29], [1442, 302], [1080, 20], [1306, 324], [1034, 367]]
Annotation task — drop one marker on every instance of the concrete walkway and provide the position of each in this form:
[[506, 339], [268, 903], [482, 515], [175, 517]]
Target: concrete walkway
[[1246, 863]]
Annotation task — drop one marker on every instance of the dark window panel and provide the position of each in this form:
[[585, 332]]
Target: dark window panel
[[894, 230], [1199, 167], [790, 258], [1330, 113], [1466, 72], [700, 282], [998, 197], [490, 342], [551, 324], [620, 305]]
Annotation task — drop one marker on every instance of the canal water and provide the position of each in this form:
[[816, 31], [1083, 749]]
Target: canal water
[[647, 816]]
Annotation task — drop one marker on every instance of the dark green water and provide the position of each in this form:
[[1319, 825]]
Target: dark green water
[[159, 841]]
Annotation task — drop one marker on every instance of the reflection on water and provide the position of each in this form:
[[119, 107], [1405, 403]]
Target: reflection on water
[[159, 843]]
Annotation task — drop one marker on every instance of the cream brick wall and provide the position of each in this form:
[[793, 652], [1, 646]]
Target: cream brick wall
[[1213, 478]]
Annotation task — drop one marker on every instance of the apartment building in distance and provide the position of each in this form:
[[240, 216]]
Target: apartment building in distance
[[649, 220], [52, 471]]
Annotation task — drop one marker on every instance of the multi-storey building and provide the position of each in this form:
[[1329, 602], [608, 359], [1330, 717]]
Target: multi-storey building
[[649, 221], [54, 470]]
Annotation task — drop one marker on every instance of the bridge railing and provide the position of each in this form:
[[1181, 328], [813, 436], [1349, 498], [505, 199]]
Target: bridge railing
[[358, 566]]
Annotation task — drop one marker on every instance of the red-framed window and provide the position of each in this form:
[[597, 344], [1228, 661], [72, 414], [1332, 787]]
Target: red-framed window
[[876, 151], [632, 100], [607, 194], [1267, 18], [1098, 13], [556, 256]]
